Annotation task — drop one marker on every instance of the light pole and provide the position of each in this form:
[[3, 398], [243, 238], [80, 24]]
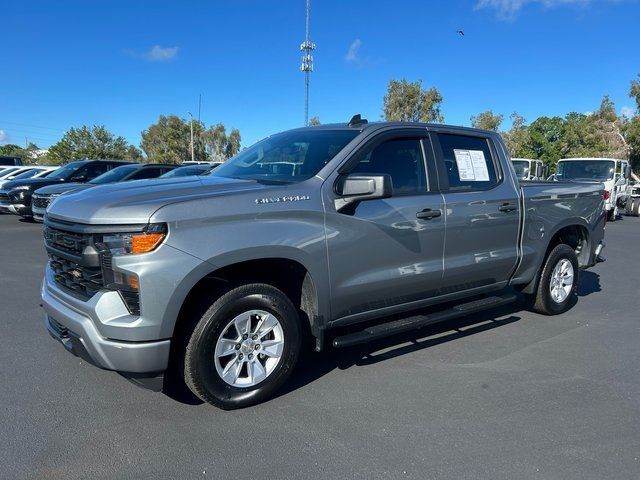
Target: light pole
[[192, 152]]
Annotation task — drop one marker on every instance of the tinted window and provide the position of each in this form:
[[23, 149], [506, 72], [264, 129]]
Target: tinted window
[[287, 157], [402, 160], [68, 170], [95, 169], [28, 174], [149, 172], [115, 175], [468, 162], [187, 171]]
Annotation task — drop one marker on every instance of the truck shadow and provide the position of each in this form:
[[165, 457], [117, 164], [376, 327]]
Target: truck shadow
[[315, 365], [589, 283]]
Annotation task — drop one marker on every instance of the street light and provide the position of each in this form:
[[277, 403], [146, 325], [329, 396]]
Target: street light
[[192, 152]]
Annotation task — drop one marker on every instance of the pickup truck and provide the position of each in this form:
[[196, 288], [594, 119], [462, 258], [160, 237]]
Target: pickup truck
[[216, 281], [613, 173]]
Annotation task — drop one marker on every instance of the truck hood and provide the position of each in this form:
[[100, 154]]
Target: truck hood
[[58, 189], [134, 202]]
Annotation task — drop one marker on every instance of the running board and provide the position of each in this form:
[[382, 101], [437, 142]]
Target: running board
[[419, 321]]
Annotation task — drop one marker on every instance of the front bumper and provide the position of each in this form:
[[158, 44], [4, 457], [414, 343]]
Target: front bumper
[[38, 213], [75, 323]]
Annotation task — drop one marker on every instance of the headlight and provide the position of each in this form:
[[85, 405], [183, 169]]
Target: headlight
[[134, 243]]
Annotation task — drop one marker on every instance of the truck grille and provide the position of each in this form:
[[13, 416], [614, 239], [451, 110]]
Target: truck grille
[[69, 242], [79, 280], [40, 202], [83, 281]]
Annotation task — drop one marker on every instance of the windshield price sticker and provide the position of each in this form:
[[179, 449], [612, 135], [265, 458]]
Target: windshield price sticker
[[472, 166]]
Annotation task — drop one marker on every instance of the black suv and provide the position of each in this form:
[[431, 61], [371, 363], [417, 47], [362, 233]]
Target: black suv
[[136, 171], [10, 161], [16, 195]]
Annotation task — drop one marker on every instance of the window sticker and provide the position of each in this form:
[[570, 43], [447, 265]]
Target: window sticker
[[472, 166], [465, 167]]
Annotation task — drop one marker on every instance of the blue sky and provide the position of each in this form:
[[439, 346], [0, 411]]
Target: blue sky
[[123, 63]]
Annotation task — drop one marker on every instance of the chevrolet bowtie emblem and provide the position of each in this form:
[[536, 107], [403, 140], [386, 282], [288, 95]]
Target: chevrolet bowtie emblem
[[76, 273]]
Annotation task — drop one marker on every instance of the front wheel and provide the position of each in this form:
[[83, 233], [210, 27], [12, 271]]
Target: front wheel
[[558, 282], [244, 347]]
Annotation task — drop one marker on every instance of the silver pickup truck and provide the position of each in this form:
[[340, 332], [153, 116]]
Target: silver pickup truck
[[349, 229]]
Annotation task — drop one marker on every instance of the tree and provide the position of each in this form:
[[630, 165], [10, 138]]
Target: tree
[[84, 142], [634, 92], [169, 140], [487, 121], [409, 102], [314, 121], [518, 138], [219, 146]]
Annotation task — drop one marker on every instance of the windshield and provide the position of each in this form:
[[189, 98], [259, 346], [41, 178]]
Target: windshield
[[67, 170], [599, 170], [7, 171], [187, 171], [115, 175], [27, 174], [287, 157], [521, 167]]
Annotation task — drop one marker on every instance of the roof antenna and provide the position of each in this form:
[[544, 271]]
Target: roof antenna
[[357, 120]]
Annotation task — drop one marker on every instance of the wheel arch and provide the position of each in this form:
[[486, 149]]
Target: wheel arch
[[283, 267], [573, 232]]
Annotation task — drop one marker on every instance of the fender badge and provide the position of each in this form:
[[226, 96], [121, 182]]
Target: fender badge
[[289, 198]]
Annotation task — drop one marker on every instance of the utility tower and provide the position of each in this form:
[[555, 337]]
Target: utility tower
[[307, 47]]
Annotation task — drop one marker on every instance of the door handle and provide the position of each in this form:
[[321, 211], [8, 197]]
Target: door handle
[[428, 214], [508, 207]]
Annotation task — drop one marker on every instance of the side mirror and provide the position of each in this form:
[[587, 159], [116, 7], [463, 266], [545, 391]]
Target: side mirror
[[356, 188], [539, 168], [627, 171]]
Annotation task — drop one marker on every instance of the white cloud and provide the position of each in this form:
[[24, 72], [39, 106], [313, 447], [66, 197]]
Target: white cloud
[[4, 137], [627, 111], [352, 53], [161, 54], [508, 9]]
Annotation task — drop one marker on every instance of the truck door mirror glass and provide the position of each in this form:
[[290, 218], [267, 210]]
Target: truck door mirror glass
[[357, 187]]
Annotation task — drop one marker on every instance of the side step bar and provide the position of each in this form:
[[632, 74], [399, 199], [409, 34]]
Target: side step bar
[[420, 321]]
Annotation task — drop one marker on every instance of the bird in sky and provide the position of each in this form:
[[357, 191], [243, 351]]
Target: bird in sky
[[461, 33]]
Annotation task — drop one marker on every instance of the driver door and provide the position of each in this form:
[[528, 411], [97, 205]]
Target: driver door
[[382, 255]]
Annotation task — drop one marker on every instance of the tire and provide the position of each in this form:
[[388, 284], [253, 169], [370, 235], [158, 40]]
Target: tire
[[629, 206], [636, 207], [226, 342], [544, 301], [612, 215]]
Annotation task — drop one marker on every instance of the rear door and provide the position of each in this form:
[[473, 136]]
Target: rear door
[[387, 252], [482, 212]]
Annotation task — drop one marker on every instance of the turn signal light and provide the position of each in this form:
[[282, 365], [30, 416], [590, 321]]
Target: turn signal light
[[145, 242]]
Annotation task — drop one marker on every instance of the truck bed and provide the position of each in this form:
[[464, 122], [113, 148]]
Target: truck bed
[[547, 208]]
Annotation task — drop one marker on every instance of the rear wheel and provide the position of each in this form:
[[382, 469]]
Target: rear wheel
[[629, 206], [636, 207], [243, 348], [558, 282]]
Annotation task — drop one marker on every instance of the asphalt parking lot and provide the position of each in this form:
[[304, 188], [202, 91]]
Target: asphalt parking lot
[[503, 395]]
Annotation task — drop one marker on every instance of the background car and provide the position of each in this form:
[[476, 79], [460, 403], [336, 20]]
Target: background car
[[28, 172], [187, 170], [42, 197], [15, 196]]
